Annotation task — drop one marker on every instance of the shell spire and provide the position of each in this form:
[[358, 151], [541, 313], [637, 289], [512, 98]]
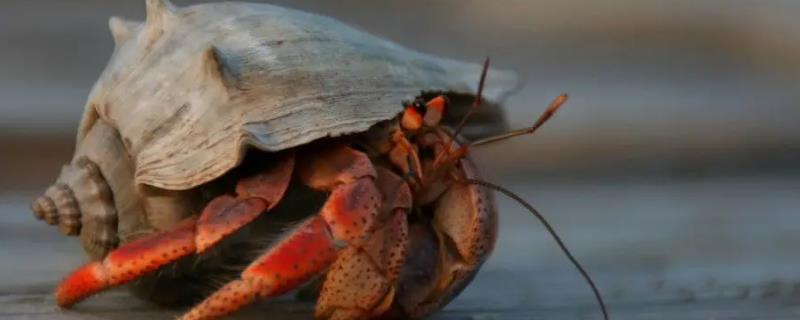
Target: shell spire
[[92, 192], [122, 29], [81, 197], [159, 12], [59, 207]]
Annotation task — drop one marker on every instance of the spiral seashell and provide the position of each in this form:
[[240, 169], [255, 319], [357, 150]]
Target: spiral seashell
[[81, 196], [94, 194], [45, 209], [59, 207], [69, 214], [99, 199]]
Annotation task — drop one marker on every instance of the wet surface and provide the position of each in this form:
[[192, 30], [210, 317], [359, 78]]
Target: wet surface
[[659, 249]]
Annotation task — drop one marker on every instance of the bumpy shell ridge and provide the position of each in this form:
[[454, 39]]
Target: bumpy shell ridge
[[122, 29]]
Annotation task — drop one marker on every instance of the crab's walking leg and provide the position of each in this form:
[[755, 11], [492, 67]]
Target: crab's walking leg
[[362, 282], [343, 221], [221, 217]]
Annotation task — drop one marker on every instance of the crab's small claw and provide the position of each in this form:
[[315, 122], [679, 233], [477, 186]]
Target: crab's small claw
[[127, 263], [221, 217]]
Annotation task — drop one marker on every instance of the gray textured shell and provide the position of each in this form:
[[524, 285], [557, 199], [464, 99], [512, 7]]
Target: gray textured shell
[[190, 89]]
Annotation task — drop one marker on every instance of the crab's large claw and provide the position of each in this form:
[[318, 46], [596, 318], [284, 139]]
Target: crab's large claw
[[221, 217], [445, 257]]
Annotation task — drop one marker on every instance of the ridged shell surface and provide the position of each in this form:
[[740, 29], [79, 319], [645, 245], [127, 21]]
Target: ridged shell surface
[[190, 89], [93, 197]]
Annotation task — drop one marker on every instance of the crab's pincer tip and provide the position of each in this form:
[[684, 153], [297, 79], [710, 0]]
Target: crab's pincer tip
[[81, 284]]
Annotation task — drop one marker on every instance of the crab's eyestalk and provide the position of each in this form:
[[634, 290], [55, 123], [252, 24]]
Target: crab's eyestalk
[[420, 113], [412, 117], [435, 111]]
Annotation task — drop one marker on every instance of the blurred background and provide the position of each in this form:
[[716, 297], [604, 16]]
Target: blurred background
[[673, 172]]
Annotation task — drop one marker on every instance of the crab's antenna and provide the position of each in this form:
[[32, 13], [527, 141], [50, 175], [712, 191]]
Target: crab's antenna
[[448, 153], [546, 115], [475, 104], [552, 232], [478, 98]]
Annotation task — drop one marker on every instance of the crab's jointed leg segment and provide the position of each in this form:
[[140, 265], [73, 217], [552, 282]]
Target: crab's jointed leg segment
[[222, 216], [225, 214], [345, 219], [362, 282], [128, 262], [303, 253]]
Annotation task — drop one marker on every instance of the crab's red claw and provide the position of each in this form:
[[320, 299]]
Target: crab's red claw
[[134, 259], [82, 283], [221, 217], [127, 263]]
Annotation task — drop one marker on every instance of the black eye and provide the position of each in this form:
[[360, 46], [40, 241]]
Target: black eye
[[420, 106]]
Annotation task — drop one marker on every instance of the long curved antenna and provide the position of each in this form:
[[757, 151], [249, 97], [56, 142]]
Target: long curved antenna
[[475, 104], [478, 97], [546, 115], [552, 232]]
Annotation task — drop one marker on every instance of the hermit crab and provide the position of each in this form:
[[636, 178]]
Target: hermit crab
[[217, 124]]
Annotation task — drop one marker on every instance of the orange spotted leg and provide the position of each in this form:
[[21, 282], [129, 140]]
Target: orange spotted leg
[[221, 217], [362, 282], [343, 221]]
